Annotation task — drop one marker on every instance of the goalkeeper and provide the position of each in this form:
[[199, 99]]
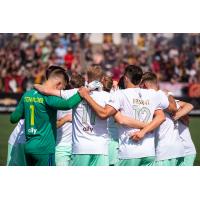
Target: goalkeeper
[[40, 112]]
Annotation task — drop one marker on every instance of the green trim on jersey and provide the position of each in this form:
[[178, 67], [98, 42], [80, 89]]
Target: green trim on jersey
[[40, 113], [90, 160], [146, 161]]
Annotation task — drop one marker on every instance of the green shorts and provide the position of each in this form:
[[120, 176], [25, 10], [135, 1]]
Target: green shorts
[[16, 155], [189, 160], [40, 159], [63, 155], [170, 162], [89, 160], [113, 152], [146, 161]]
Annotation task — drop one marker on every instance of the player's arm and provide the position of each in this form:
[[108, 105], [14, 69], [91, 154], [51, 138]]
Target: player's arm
[[47, 91], [61, 104], [185, 108], [63, 120], [102, 112], [159, 118], [18, 113], [172, 108], [168, 102], [128, 121], [61, 93]]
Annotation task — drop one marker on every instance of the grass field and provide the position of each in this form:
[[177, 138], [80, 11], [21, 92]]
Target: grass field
[[6, 128]]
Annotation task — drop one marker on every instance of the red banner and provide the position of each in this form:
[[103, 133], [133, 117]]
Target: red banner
[[194, 90]]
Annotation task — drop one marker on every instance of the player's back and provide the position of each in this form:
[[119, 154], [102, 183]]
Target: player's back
[[89, 131], [40, 123], [139, 104]]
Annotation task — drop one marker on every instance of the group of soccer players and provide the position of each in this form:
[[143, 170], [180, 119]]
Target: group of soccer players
[[90, 121]]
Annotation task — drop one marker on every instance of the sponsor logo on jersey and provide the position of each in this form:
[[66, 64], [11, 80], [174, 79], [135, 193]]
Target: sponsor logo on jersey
[[32, 131], [88, 128]]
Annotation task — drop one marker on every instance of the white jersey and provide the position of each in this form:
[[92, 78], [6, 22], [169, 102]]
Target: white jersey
[[189, 148], [89, 132], [64, 133], [168, 142], [18, 134], [140, 104]]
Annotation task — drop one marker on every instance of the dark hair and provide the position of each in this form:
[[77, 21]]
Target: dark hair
[[76, 81], [134, 73], [55, 69], [149, 76], [121, 83], [107, 83]]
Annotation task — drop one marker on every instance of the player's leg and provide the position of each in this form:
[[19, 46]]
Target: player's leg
[[173, 162], [40, 159], [162, 163], [30, 161], [99, 160], [63, 155], [147, 161], [180, 161], [80, 160], [45, 159], [129, 162], [189, 160], [113, 152], [20, 155], [176, 161]]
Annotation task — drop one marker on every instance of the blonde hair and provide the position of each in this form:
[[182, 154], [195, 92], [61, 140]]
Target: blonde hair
[[95, 73]]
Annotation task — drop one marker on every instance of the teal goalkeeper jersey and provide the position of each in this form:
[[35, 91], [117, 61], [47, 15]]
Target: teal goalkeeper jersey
[[40, 114]]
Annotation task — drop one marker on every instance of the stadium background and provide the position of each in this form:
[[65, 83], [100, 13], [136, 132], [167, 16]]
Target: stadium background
[[175, 58]]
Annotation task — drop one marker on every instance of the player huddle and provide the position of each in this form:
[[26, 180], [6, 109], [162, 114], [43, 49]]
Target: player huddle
[[92, 122]]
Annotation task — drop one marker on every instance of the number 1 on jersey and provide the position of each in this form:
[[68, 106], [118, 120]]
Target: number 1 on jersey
[[32, 109]]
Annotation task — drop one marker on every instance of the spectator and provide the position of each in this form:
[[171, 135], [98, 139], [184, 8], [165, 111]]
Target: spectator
[[69, 58], [24, 57]]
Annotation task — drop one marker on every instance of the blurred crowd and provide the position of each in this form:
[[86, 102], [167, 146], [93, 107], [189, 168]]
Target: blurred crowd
[[25, 57]]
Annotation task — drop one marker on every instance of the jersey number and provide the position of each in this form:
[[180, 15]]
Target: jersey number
[[32, 110], [142, 114], [86, 110]]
